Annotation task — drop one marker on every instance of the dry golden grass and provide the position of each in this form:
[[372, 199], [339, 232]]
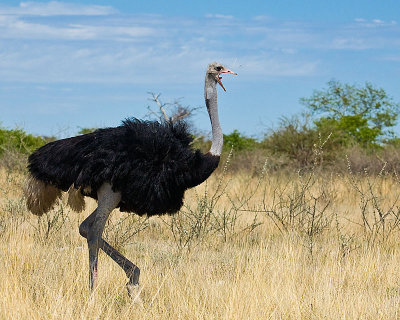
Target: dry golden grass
[[312, 256]]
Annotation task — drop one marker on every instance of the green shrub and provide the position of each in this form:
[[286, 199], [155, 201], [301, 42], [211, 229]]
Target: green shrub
[[303, 143], [18, 140], [86, 130], [239, 142], [15, 145]]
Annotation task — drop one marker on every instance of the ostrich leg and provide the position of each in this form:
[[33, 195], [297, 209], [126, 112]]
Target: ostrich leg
[[107, 201], [131, 270], [92, 228]]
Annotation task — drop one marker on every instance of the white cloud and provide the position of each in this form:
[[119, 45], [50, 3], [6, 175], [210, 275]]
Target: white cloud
[[374, 23], [350, 43], [267, 66], [391, 58], [219, 16], [12, 27], [111, 47], [55, 8], [261, 18], [378, 21]]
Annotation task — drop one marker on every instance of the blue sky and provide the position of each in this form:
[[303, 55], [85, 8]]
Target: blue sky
[[71, 64]]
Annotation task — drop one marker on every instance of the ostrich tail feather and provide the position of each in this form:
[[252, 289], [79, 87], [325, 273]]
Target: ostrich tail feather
[[40, 197], [76, 201]]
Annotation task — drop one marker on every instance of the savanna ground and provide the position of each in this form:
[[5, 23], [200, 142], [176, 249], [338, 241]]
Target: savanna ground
[[299, 245]]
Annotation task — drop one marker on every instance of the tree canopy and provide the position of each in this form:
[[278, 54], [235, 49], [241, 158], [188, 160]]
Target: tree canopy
[[363, 113]]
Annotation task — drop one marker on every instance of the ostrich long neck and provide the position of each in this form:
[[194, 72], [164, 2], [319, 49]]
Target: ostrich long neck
[[210, 95]]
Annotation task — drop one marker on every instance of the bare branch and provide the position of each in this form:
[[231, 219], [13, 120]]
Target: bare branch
[[160, 105], [177, 113]]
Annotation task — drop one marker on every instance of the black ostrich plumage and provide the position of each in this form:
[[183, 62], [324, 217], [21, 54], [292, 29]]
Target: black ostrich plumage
[[151, 164]]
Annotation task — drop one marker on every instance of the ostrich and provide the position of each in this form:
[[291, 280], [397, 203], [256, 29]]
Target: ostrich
[[141, 166]]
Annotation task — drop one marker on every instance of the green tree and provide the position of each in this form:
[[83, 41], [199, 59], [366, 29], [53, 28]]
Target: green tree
[[364, 114]]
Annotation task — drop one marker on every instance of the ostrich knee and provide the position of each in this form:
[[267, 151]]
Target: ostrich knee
[[84, 229], [87, 224]]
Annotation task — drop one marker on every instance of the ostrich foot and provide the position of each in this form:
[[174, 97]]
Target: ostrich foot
[[134, 293]]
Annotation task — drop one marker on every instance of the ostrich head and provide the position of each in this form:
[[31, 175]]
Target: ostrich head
[[214, 71]]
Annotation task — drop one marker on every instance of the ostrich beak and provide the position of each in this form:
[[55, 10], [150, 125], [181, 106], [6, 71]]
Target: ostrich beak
[[219, 78]]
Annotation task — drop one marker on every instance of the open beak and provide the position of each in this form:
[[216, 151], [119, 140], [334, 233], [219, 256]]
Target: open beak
[[219, 78]]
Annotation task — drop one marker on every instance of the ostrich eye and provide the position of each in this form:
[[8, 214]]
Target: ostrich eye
[[218, 68]]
